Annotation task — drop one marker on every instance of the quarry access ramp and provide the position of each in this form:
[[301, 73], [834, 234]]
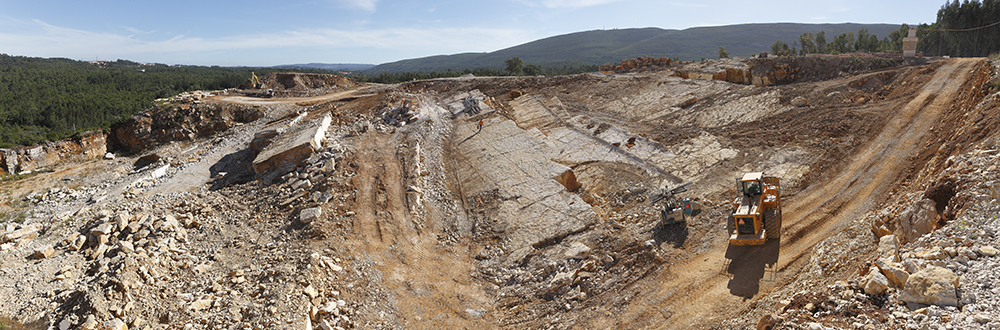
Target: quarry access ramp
[[703, 290]]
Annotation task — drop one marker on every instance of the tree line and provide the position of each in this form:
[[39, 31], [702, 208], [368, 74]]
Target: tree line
[[847, 42], [968, 28], [514, 66], [50, 99]]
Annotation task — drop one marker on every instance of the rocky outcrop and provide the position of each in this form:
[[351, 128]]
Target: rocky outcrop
[[918, 220], [182, 118], [86, 145], [291, 144], [729, 70]]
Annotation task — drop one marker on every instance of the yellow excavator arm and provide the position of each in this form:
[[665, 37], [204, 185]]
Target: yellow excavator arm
[[255, 81]]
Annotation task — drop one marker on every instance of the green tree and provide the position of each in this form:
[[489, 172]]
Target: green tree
[[842, 43], [780, 47], [514, 65], [532, 70], [808, 43], [866, 42], [821, 42], [962, 29], [723, 53]]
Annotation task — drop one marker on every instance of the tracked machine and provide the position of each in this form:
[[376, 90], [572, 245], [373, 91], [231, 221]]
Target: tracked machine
[[757, 214], [257, 89], [675, 210]]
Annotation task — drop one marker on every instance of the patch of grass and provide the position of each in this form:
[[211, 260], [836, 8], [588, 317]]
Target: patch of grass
[[8, 324], [13, 216]]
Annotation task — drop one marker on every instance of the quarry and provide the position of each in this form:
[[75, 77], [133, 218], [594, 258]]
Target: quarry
[[523, 203]]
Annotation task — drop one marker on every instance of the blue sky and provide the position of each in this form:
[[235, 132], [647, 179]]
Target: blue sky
[[265, 33]]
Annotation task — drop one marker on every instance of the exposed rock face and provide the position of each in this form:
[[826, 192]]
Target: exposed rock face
[[728, 70], [932, 286], [918, 220], [178, 119], [86, 145], [290, 145], [304, 84], [888, 248]]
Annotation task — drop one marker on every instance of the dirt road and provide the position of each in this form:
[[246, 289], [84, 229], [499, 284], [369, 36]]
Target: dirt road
[[302, 101], [713, 285]]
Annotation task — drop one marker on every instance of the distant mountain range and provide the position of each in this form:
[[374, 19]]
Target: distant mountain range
[[327, 66], [612, 46]]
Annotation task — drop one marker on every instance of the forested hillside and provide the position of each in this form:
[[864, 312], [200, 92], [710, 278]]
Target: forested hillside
[[49, 99], [593, 48], [968, 28]]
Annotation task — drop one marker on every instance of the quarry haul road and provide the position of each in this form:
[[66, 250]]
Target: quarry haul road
[[720, 282], [302, 101]]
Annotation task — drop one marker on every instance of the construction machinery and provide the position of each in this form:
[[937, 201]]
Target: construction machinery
[[675, 210], [757, 214], [255, 81], [257, 89]]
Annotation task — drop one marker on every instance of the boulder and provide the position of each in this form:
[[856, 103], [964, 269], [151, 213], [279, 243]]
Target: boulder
[[44, 252], [90, 323], [578, 250], [114, 324], [800, 101], [918, 220], [200, 304], [988, 251], [330, 165], [935, 253], [932, 286], [876, 283], [26, 232], [311, 291], [894, 272], [888, 248], [102, 229], [310, 214], [78, 243], [121, 221], [767, 322], [290, 148]]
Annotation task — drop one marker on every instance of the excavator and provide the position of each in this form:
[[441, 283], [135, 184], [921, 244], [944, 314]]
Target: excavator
[[757, 214], [675, 210], [257, 89]]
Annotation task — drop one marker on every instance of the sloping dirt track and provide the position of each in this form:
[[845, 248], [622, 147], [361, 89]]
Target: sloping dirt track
[[706, 290]]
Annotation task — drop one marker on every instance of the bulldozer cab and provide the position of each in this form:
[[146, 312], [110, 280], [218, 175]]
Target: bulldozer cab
[[749, 184]]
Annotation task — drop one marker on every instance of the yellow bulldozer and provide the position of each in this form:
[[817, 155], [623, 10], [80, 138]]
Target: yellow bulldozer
[[757, 210]]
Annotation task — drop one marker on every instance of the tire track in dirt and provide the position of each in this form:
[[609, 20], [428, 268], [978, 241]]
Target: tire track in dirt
[[429, 286], [707, 289]]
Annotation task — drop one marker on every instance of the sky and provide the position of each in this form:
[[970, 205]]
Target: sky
[[267, 33]]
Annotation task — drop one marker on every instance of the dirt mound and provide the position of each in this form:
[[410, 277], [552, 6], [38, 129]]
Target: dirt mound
[[306, 84]]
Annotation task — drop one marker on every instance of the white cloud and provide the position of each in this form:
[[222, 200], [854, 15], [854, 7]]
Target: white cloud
[[37, 38]]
